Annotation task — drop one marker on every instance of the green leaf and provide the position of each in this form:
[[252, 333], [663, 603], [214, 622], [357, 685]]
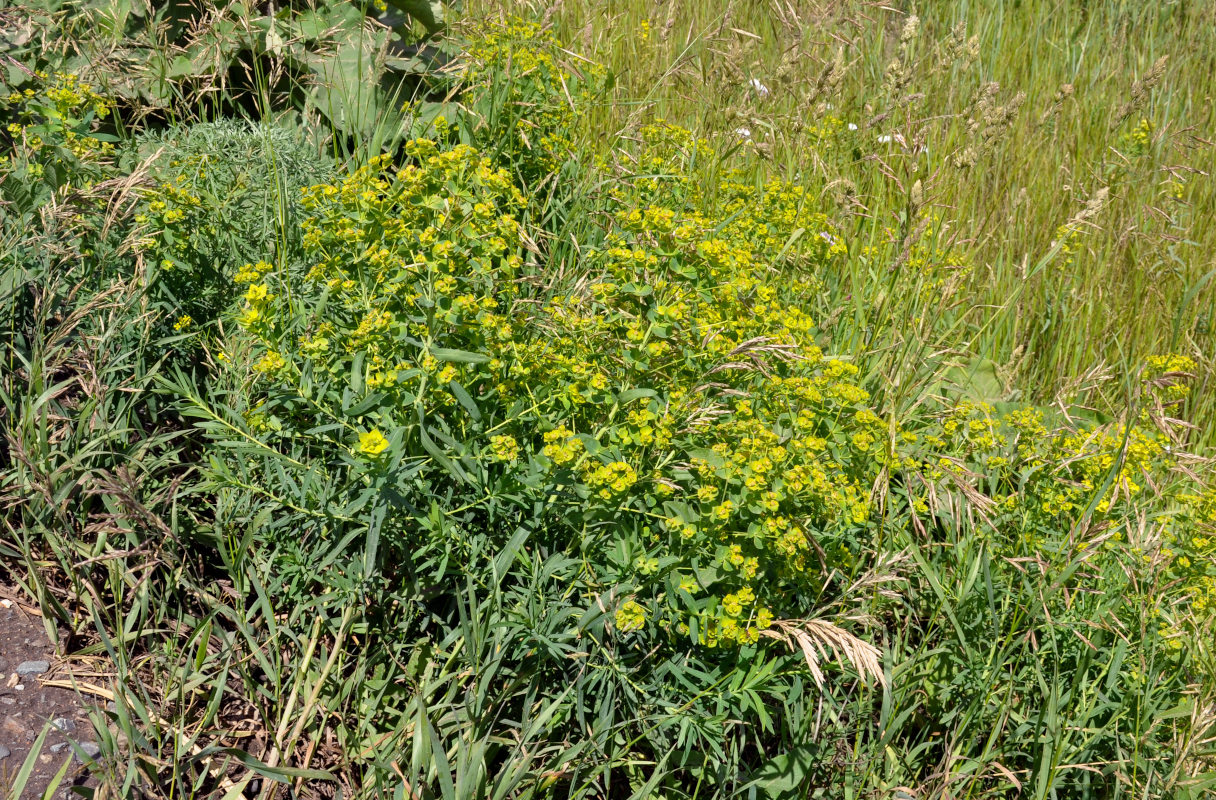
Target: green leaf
[[356, 374], [347, 81], [365, 405], [436, 453], [785, 774], [629, 395], [428, 12], [463, 397], [280, 774], [200, 652], [977, 380], [181, 67], [425, 112], [709, 456], [459, 356], [27, 766]]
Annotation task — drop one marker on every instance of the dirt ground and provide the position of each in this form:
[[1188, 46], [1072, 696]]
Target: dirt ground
[[27, 706]]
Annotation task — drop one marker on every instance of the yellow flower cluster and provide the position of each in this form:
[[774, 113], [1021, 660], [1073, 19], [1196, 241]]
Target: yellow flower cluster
[[372, 443], [742, 621], [522, 69], [53, 133], [1138, 140], [631, 616], [1170, 363], [682, 381], [611, 479], [504, 448], [252, 273], [52, 113], [1166, 376], [561, 446]]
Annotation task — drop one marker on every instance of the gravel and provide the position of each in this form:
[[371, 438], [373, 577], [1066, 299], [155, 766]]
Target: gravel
[[90, 749]]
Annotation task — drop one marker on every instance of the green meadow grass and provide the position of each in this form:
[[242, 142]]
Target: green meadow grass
[[1000, 180]]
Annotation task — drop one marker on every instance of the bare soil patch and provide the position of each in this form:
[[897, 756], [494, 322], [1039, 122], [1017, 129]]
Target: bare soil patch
[[28, 706]]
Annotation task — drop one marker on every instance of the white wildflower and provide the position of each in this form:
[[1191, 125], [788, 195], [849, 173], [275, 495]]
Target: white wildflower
[[760, 88]]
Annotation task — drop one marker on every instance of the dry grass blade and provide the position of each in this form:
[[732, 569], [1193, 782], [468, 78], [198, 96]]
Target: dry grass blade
[[819, 640]]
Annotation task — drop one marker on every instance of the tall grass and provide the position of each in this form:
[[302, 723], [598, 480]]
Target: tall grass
[[1001, 179]]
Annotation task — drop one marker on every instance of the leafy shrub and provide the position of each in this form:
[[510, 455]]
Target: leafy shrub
[[613, 401], [217, 195], [670, 419], [430, 404], [528, 97], [54, 142]]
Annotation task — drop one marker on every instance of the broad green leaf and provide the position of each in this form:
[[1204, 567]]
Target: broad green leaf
[[428, 12]]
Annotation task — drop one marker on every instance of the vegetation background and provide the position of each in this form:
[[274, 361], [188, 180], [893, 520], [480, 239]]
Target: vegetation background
[[647, 399]]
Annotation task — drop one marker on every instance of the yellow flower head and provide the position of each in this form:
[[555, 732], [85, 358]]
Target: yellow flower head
[[504, 448], [257, 293], [372, 443], [631, 616]]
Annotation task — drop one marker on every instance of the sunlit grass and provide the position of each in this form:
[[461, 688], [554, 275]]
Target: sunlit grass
[[1105, 100], [294, 572]]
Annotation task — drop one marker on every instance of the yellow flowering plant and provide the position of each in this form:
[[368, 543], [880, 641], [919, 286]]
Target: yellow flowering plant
[[653, 412], [593, 467], [1108, 514], [57, 138], [677, 406], [684, 370], [203, 213], [528, 93]]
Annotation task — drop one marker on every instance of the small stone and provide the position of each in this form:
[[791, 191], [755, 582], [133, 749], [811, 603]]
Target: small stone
[[20, 687], [64, 724], [58, 748], [26, 668], [12, 728], [4, 752], [90, 749]]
